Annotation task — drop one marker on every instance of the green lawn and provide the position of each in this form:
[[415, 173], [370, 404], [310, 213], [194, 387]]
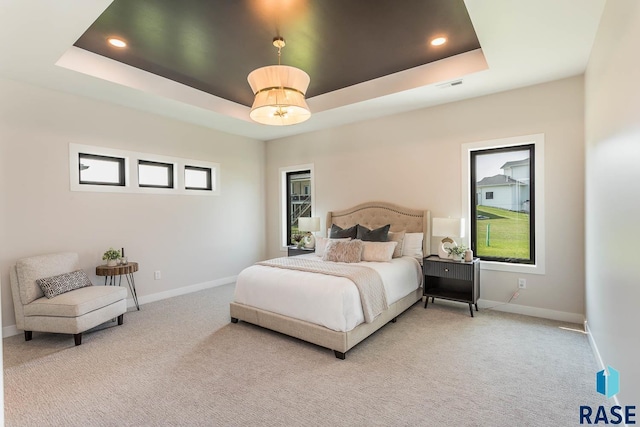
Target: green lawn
[[509, 235]]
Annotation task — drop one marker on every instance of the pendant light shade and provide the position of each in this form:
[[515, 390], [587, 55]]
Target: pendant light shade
[[279, 93]]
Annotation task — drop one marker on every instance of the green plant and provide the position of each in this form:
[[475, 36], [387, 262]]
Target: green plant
[[456, 250], [298, 240], [111, 254]]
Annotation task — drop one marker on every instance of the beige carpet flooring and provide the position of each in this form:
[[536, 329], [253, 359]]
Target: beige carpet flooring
[[179, 362]]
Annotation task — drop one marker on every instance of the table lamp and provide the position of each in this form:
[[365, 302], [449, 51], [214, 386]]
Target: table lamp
[[310, 225], [447, 228]]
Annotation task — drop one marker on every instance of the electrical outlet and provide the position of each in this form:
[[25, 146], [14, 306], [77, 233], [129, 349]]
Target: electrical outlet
[[522, 283], [157, 275]]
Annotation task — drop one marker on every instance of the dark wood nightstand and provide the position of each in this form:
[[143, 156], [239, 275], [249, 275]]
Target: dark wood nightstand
[[295, 251], [452, 280]]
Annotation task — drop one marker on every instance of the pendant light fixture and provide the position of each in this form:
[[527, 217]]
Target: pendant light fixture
[[279, 91]]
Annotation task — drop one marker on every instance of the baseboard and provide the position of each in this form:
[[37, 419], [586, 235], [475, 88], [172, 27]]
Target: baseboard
[[596, 353], [544, 313], [182, 291], [9, 331]]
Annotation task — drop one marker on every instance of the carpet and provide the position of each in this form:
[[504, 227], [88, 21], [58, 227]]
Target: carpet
[[180, 362]]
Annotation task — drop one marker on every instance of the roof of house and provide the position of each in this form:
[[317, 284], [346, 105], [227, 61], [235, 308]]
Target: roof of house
[[515, 163], [497, 180]]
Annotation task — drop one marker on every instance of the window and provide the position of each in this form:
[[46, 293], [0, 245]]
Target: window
[[197, 178], [296, 199], [101, 170], [155, 174], [112, 170], [503, 204]]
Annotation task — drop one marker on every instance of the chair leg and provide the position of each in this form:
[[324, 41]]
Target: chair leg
[[78, 338], [28, 335], [121, 319]]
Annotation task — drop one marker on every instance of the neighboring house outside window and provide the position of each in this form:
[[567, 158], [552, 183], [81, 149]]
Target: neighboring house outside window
[[296, 199]]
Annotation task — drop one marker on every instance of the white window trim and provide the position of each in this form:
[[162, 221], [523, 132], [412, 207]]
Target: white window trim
[[283, 198], [131, 172], [538, 140]]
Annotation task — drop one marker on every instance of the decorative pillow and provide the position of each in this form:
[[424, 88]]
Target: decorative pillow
[[413, 245], [321, 244], [397, 236], [343, 251], [378, 251], [377, 235], [340, 233], [56, 285]]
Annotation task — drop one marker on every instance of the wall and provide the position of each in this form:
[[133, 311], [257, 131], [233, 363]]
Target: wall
[[413, 159], [612, 118], [192, 240]]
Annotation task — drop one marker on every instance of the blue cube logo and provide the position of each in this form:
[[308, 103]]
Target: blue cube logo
[[609, 385]]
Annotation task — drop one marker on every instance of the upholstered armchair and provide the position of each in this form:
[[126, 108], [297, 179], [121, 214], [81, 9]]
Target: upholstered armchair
[[71, 304]]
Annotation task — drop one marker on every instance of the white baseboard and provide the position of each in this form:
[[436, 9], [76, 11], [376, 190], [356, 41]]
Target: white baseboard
[[544, 313], [9, 331], [596, 353], [181, 291]]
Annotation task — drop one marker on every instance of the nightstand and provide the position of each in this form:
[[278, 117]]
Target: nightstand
[[452, 280], [295, 251]]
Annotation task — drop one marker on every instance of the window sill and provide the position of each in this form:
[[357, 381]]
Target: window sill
[[512, 268]]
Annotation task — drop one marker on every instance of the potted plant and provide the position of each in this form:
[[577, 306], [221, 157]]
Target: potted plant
[[457, 252], [111, 256], [298, 240]]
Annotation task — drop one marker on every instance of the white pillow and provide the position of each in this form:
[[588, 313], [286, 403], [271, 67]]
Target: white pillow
[[321, 244], [413, 245], [378, 251]]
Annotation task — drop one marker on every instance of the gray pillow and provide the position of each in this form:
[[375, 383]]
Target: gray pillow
[[378, 235], [56, 285], [340, 233]]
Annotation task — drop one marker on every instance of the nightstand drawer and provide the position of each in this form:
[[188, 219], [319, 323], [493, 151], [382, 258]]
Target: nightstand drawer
[[449, 270]]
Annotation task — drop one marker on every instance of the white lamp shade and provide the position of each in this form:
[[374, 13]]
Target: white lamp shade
[[279, 91], [448, 227], [309, 223]]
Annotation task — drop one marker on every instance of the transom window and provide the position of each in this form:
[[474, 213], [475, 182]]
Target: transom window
[[101, 170], [155, 174], [197, 178]]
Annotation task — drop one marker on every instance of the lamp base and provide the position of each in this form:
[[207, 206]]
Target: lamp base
[[309, 241], [447, 242]]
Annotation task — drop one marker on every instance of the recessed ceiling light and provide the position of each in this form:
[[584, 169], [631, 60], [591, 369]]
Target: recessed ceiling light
[[438, 41], [116, 42]]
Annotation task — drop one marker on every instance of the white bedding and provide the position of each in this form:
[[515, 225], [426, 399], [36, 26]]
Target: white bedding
[[329, 301]]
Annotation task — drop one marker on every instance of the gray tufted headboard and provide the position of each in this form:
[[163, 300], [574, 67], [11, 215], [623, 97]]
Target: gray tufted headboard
[[378, 214]]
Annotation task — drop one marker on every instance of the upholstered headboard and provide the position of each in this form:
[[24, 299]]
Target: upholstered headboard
[[378, 214]]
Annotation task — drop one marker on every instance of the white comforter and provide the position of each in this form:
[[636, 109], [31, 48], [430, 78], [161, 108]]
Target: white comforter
[[328, 301]]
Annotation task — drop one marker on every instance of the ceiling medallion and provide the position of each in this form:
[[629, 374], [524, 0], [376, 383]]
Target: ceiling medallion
[[279, 91]]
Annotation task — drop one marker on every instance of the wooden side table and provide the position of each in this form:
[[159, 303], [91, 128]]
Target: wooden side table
[[125, 270]]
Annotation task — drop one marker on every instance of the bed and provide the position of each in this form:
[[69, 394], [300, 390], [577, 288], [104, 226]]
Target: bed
[[326, 310]]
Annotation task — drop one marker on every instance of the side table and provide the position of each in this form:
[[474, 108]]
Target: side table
[[125, 270], [452, 280], [295, 251]]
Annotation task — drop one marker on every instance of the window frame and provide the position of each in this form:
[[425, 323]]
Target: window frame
[[540, 242], [131, 159], [285, 235], [209, 186], [121, 161], [170, 172], [473, 191]]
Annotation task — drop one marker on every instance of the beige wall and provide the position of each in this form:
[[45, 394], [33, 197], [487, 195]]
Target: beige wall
[[612, 99], [190, 239], [413, 159]]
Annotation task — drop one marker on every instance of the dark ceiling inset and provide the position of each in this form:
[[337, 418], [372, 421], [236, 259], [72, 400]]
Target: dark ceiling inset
[[212, 45]]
